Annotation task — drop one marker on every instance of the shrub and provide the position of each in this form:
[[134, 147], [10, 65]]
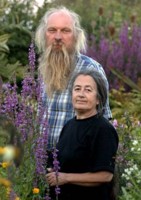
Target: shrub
[[128, 158]]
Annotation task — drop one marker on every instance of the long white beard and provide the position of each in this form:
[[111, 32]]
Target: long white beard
[[56, 67]]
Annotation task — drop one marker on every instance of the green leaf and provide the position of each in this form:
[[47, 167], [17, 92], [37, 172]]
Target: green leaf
[[8, 70], [3, 40]]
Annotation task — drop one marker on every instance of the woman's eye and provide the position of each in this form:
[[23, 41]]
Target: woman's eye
[[88, 90]]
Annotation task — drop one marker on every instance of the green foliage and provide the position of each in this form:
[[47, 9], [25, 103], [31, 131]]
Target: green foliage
[[17, 44], [22, 177], [17, 11], [98, 14], [7, 70], [3, 40], [17, 22], [16, 19], [128, 159], [122, 102], [20, 169]]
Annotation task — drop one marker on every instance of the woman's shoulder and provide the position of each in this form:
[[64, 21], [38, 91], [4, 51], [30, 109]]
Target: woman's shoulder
[[104, 125], [104, 122]]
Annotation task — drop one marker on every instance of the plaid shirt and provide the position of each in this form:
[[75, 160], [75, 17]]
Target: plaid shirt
[[59, 107]]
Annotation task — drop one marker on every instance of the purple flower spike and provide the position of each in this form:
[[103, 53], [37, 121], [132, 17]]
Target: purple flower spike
[[32, 57], [56, 168]]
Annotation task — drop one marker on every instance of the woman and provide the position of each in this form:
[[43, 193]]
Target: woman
[[87, 145]]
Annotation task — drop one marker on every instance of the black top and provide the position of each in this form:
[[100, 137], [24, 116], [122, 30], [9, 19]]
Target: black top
[[87, 145]]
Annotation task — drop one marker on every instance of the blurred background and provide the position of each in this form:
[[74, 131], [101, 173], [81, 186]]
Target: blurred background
[[113, 29]]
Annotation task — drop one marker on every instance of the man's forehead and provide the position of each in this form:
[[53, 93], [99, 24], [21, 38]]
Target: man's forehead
[[60, 17]]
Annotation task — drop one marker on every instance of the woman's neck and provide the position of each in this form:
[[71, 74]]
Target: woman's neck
[[84, 115]]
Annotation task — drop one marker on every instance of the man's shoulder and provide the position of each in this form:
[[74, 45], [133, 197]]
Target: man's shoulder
[[86, 62], [87, 59]]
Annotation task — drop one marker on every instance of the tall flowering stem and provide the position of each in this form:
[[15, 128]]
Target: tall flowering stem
[[56, 168], [32, 58], [25, 110]]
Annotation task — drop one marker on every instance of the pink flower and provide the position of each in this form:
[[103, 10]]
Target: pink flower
[[115, 123]]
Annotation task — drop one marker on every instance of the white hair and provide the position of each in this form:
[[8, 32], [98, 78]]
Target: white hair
[[79, 33]]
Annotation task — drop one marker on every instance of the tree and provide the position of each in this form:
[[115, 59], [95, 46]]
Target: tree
[[16, 22]]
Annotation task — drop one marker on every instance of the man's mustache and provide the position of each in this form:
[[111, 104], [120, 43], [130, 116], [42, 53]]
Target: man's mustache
[[58, 43]]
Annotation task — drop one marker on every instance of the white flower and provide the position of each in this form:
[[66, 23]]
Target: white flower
[[135, 142], [135, 167], [128, 171], [138, 181]]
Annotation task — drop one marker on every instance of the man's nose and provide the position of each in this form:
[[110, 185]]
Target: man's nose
[[58, 36]]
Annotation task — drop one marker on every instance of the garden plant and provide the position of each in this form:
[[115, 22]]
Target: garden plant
[[28, 179], [116, 44]]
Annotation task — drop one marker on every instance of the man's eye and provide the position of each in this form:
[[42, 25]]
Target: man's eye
[[66, 30], [51, 30]]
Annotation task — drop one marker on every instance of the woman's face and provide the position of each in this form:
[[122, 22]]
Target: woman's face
[[84, 96]]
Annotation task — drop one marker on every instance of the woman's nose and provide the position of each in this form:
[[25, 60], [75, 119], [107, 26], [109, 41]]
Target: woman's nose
[[81, 93]]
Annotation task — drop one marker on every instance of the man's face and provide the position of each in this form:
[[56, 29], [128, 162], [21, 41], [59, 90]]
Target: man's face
[[60, 32]]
